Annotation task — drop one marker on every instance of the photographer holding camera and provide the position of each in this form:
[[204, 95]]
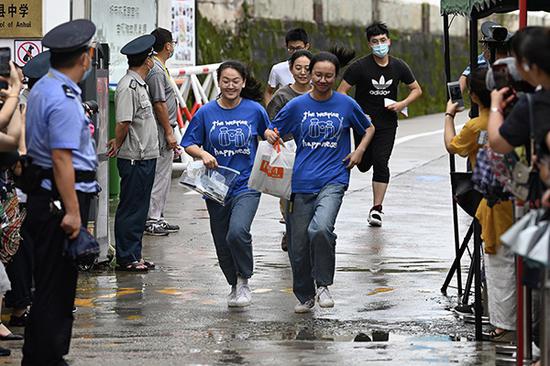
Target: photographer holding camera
[[531, 49], [494, 219]]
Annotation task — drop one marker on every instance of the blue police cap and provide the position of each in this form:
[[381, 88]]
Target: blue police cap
[[140, 45], [38, 66], [69, 36]]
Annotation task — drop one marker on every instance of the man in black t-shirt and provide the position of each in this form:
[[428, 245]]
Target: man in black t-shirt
[[376, 78]]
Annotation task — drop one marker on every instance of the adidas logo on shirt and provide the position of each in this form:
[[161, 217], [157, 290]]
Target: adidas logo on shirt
[[381, 86]]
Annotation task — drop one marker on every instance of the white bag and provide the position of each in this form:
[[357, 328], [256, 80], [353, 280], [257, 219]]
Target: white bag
[[272, 171]]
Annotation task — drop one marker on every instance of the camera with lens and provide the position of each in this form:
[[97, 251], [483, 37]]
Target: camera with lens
[[503, 73], [90, 107]]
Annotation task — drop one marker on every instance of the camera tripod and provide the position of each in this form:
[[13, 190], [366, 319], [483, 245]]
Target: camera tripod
[[474, 274]]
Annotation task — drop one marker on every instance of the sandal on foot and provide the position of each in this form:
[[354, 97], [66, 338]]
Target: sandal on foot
[[133, 267], [506, 336], [148, 264]]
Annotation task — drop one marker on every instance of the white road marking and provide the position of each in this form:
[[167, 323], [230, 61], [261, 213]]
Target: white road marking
[[404, 139]]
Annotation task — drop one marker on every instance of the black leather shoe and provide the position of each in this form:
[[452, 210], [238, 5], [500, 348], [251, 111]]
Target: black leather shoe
[[4, 352], [19, 321], [11, 337]]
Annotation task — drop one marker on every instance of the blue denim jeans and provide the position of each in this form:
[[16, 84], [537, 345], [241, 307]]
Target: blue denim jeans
[[311, 238], [136, 182], [230, 226]]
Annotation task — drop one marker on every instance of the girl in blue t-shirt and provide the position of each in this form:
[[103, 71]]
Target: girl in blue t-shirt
[[320, 122], [225, 132]]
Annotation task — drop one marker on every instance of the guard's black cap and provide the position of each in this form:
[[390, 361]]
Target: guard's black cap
[[140, 45], [38, 66], [70, 36]]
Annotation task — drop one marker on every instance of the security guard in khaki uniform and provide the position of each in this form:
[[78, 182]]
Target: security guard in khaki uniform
[[136, 147], [62, 149]]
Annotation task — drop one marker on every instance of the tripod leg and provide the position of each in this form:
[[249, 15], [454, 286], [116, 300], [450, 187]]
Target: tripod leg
[[468, 285], [477, 286], [456, 263]]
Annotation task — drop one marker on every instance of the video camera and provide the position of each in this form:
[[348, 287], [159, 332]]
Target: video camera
[[494, 32]]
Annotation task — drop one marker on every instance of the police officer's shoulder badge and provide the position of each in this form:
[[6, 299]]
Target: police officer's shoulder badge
[[68, 91], [133, 83]]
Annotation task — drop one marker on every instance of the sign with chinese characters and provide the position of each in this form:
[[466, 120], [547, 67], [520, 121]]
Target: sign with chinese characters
[[118, 22], [26, 50], [183, 32], [20, 18]]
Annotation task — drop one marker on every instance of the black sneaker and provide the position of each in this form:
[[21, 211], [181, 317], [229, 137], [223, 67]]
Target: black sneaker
[[168, 227], [463, 310], [155, 230], [375, 216], [19, 321]]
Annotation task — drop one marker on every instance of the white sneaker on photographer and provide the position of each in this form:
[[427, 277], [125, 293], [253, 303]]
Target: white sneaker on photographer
[[375, 216], [324, 298]]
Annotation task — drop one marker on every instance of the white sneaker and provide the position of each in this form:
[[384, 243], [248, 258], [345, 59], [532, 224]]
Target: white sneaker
[[324, 298], [305, 307], [232, 297], [244, 295], [375, 217]]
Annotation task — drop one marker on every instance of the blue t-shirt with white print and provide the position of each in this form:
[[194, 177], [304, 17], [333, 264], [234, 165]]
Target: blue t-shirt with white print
[[229, 135], [322, 133]]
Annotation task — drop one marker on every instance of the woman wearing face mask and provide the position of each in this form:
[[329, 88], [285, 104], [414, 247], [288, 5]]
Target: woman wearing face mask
[[320, 121], [210, 137], [299, 67]]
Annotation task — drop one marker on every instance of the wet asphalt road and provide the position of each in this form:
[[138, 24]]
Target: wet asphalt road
[[386, 286]]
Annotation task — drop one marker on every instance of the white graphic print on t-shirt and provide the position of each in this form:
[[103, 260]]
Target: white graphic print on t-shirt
[[321, 129], [381, 86], [229, 138]]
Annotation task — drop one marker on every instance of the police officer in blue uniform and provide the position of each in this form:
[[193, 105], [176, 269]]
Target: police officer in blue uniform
[[62, 150]]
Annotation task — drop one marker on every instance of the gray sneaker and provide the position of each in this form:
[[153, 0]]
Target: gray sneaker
[[324, 297], [155, 230], [305, 307], [232, 297]]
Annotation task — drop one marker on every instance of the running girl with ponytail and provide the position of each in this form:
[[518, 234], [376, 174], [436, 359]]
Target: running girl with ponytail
[[225, 132], [320, 122]]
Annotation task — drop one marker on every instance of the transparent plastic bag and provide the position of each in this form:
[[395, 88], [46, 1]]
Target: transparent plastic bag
[[211, 183]]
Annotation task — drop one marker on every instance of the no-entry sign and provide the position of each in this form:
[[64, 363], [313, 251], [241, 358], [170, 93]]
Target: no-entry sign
[[26, 50]]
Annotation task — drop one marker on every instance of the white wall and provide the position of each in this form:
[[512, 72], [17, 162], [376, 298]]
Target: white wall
[[358, 12], [282, 9]]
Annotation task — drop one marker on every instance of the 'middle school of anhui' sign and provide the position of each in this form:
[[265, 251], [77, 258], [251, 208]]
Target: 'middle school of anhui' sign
[[20, 18]]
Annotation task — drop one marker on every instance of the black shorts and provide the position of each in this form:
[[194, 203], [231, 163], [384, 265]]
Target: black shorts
[[378, 154]]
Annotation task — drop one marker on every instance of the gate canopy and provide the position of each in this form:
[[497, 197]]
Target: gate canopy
[[483, 8]]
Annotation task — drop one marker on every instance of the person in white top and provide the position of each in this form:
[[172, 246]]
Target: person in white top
[[280, 75]]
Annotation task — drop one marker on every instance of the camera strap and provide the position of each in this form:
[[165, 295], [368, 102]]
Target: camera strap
[[531, 129]]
